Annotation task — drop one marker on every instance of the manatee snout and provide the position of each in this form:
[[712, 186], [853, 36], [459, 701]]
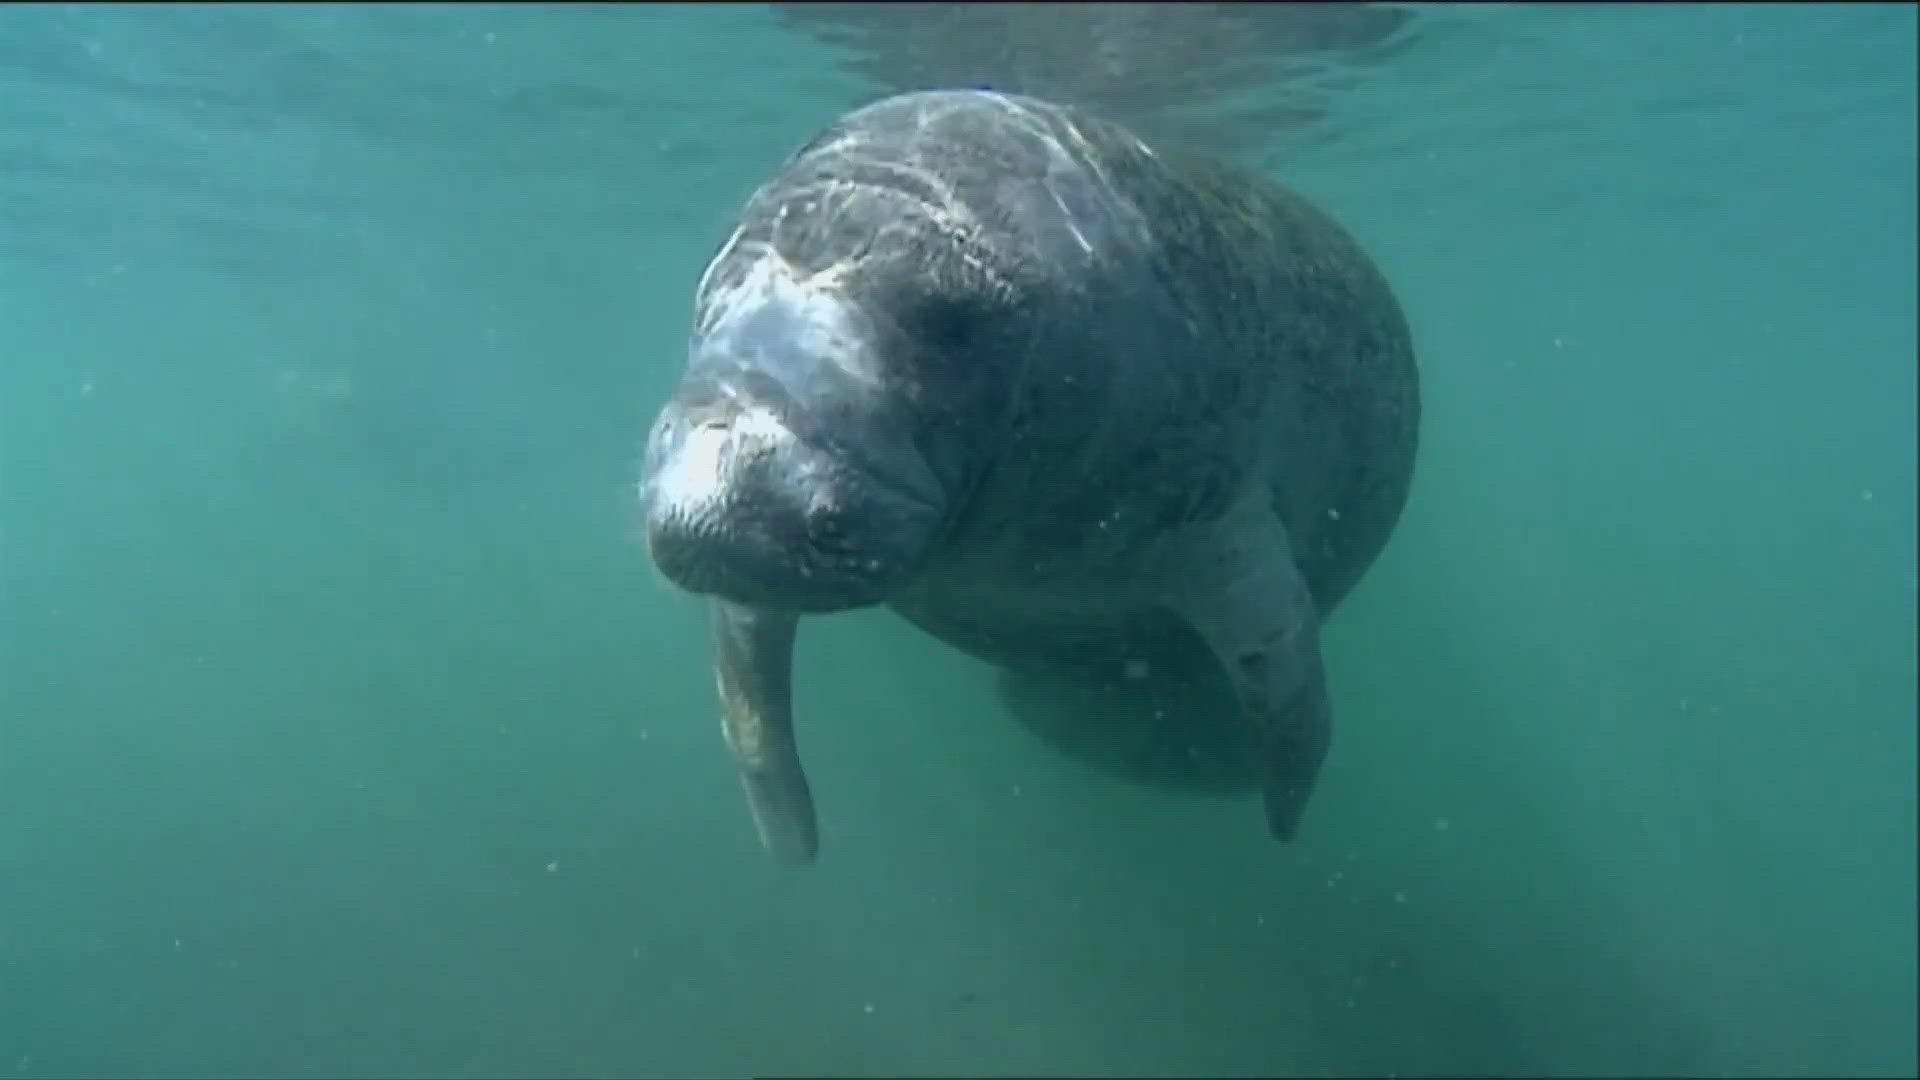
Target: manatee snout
[[777, 500], [714, 500]]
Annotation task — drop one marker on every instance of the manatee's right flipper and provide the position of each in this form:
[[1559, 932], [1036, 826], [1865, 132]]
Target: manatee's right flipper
[[1237, 585], [753, 660]]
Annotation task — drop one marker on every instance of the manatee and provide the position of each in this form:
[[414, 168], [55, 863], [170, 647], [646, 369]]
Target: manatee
[[1077, 406]]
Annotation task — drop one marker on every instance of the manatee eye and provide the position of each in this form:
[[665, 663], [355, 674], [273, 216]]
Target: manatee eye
[[947, 324]]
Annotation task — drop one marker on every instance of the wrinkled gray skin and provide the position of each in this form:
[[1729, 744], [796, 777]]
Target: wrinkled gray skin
[[1070, 405]]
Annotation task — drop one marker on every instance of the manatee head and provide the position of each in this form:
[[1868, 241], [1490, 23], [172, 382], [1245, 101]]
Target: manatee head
[[783, 473], [855, 347]]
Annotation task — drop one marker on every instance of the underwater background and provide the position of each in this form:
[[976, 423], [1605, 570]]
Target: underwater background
[[346, 730]]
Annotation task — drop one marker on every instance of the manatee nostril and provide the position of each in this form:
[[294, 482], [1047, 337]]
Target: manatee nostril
[[827, 525], [681, 424], [823, 519], [670, 431]]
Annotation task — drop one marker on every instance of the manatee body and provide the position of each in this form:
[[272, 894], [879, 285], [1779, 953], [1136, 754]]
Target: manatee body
[[1097, 414]]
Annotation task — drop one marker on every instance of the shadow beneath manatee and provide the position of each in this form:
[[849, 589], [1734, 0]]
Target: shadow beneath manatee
[[1171, 723]]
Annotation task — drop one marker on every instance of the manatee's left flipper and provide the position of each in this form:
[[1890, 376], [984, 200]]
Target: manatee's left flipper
[[754, 665], [1237, 584]]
